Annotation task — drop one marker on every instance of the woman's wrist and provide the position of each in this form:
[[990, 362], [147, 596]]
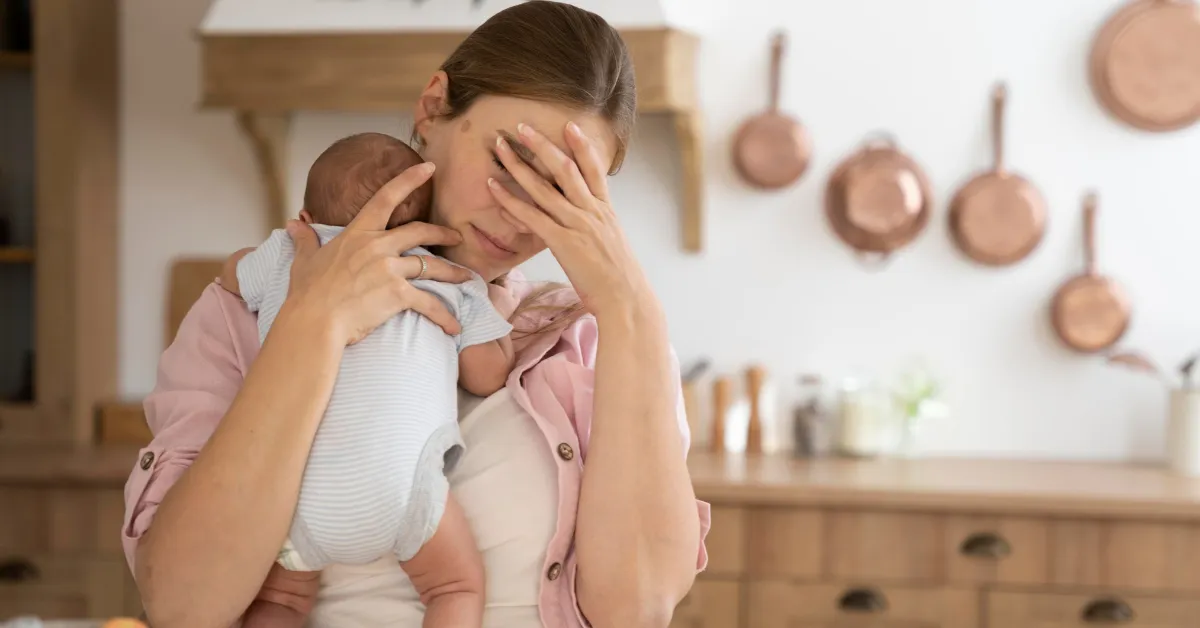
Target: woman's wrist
[[310, 322]]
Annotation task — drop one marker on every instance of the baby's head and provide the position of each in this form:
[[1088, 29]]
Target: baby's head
[[351, 170]]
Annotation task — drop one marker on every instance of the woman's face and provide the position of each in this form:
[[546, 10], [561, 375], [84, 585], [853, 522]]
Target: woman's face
[[464, 149]]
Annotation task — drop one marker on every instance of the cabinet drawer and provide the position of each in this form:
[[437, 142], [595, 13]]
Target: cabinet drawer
[[779, 604], [726, 542], [710, 604], [61, 588], [1125, 555], [785, 543], [1010, 609], [996, 550], [885, 546], [45, 521]]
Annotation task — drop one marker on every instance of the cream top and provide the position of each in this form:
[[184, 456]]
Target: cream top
[[505, 481]]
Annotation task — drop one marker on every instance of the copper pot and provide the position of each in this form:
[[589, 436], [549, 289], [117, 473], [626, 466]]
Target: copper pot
[[1145, 64], [878, 199], [998, 218], [772, 150], [1090, 312]]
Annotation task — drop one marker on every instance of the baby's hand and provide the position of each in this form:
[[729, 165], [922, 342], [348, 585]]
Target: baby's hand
[[228, 279], [503, 300]]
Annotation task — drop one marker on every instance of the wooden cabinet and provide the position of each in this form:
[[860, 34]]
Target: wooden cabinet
[[1013, 609], [60, 534], [58, 222], [933, 543], [779, 604]]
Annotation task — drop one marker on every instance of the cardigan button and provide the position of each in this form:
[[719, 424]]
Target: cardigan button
[[565, 451], [147, 460], [554, 572]]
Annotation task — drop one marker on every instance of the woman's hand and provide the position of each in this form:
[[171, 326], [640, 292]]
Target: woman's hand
[[577, 224], [358, 279]]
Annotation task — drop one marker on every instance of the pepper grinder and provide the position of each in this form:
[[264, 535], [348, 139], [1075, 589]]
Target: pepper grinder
[[722, 396], [755, 375]]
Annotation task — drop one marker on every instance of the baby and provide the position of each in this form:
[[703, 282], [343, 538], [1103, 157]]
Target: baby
[[375, 483]]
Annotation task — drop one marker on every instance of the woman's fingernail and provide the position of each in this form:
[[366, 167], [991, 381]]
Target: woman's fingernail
[[492, 183], [500, 143], [574, 128], [525, 130], [428, 167]]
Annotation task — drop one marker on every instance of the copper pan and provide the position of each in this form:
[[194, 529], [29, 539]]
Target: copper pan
[[1145, 64], [998, 218], [878, 199], [1090, 312], [772, 150]]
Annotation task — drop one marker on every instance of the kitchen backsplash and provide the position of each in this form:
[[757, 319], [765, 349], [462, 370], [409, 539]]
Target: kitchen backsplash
[[773, 284]]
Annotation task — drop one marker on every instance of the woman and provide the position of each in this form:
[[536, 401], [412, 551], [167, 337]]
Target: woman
[[574, 477]]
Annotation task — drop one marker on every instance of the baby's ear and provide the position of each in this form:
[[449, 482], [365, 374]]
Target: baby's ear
[[306, 217]]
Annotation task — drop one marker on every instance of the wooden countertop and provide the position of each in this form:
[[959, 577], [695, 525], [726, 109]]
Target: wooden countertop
[[63, 465], [961, 485]]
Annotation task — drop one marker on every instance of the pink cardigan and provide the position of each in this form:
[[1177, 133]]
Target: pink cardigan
[[202, 370]]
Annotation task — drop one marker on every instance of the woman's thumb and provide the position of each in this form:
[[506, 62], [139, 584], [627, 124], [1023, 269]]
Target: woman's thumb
[[303, 237]]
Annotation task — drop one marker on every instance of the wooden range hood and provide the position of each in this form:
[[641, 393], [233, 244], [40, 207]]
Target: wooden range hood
[[267, 68]]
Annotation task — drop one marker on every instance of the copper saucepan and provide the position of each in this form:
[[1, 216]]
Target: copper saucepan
[[1145, 64], [998, 218], [878, 199], [772, 150], [1090, 312]]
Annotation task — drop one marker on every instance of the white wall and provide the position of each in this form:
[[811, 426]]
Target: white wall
[[773, 284]]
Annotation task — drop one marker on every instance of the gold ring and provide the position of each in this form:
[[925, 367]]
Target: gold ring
[[424, 267]]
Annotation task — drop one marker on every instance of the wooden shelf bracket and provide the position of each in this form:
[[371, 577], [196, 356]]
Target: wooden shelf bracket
[[268, 135], [689, 135]]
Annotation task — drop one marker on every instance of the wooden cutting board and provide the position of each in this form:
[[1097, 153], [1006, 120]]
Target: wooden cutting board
[[123, 421]]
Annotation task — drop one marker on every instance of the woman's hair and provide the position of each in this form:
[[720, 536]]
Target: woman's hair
[[555, 53]]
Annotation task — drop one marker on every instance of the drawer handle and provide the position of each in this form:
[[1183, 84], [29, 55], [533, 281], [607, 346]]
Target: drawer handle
[[18, 570], [1108, 611], [863, 601], [986, 545]]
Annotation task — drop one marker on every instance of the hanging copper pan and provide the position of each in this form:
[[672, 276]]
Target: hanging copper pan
[[772, 150], [1145, 64], [1090, 312], [878, 199], [997, 218]]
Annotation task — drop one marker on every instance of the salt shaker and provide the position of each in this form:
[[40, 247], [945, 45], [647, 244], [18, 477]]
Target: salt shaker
[[807, 419]]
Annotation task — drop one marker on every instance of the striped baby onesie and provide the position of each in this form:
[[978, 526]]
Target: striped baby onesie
[[375, 481]]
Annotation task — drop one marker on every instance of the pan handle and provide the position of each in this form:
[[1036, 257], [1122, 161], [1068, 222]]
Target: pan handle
[[778, 44], [999, 100], [873, 260], [1089, 231], [880, 138]]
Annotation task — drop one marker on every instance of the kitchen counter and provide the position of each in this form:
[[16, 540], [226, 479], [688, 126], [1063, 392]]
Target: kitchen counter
[[985, 486], [1000, 486]]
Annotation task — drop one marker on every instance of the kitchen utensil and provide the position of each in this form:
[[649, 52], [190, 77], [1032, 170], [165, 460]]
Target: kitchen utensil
[[1145, 64], [1185, 369], [722, 398], [755, 376], [878, 199], [997, 218], [772, 150], [1137, 361], [1090, 312]]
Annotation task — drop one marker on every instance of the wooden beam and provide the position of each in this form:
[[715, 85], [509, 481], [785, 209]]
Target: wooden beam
[[386, 72], [268, 136]]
